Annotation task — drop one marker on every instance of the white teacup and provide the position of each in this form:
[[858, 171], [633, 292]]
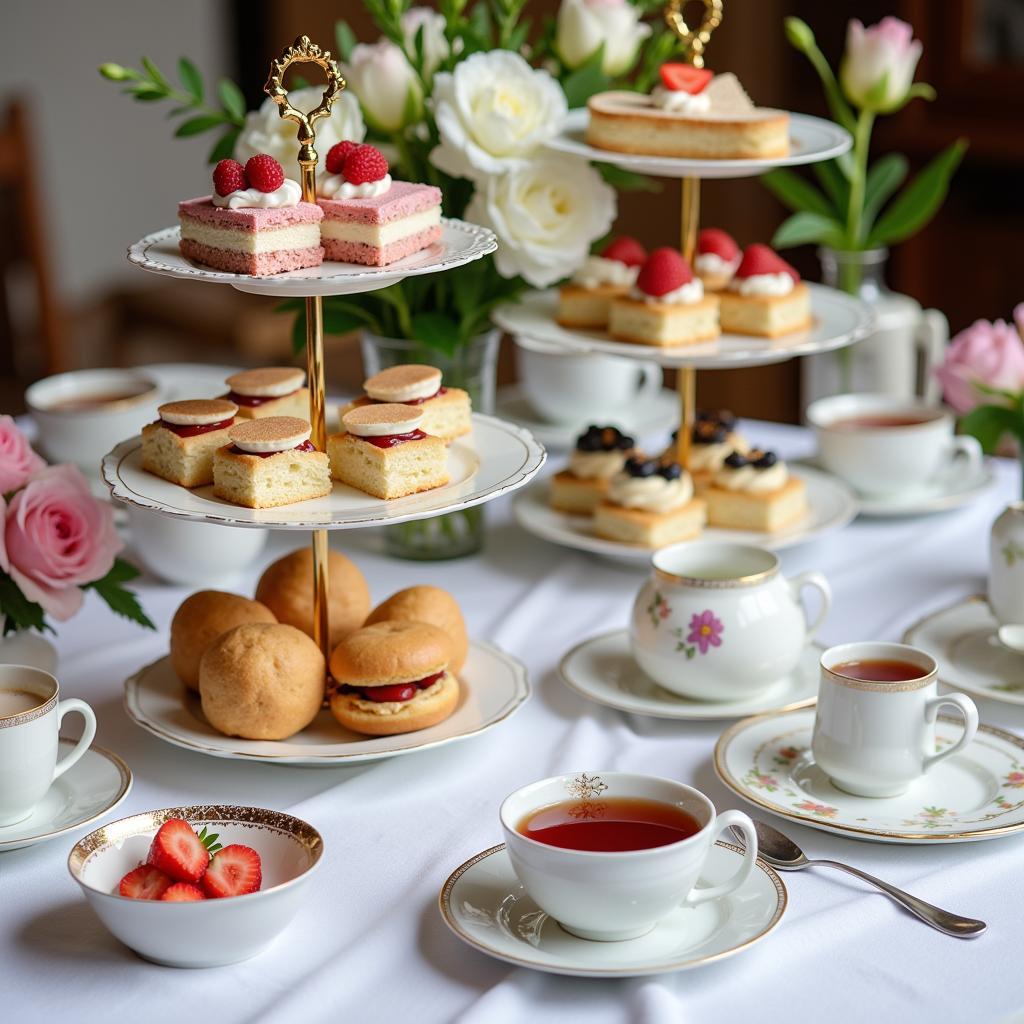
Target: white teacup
[[876, 738], [619, 895], [719, 621], [30, 717], [916, 445], [567, 388]]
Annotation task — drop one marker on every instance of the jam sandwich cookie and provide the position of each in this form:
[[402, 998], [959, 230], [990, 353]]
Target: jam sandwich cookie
[[586, 300], [755, 491], [717, 259], [179, 447], [599, 454], [269, 391], [270, 462], [765, 297], [384, 452]]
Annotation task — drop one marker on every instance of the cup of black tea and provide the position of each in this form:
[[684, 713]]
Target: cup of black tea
[[609, 854]]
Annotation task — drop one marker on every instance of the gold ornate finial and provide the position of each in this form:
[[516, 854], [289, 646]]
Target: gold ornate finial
[[694, 40], [303, 51]]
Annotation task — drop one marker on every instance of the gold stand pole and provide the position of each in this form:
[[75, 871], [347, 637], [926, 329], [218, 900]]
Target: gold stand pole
[[304, 51]]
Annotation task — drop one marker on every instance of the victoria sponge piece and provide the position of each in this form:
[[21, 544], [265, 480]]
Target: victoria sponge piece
[[432, 605]]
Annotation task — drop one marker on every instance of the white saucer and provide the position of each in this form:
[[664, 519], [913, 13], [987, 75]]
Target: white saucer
[[86, 791], [485, 905], [963, 640], [493, 686], [974, 795], [656, 418], [602, 669]]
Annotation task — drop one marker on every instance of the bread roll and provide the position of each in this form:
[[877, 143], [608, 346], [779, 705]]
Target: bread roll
[[390, 652], [433, 605]]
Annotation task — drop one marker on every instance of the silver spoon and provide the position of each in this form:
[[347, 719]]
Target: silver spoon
[[781, 852]]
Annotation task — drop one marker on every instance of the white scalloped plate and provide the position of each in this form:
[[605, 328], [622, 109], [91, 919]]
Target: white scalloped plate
[[461, 243], [496, 458]]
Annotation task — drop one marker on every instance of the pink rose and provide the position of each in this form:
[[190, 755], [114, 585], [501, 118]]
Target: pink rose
[[17, 460], [991, 354], [58, 537]]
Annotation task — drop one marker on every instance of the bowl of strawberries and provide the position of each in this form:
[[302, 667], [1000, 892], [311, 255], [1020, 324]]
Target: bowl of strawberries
[[197, 886]]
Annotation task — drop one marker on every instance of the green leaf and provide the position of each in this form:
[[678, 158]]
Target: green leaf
[[797, 193], [436, 331], [919, 201], [883, 179], [988, 423], [586, 80], [121, 572], [197, 125], [156, 75], [21, 613], [804, 227], [191, 79], [147, 92], [232, 98], [224, 147], [834, 182], [344, 39], [121, 601], [628, 181], [344, 321]]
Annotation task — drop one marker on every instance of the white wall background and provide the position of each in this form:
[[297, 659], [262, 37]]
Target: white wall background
[[111, 171]]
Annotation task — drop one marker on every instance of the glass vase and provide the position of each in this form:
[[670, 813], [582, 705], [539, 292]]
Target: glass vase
[[472, 367]]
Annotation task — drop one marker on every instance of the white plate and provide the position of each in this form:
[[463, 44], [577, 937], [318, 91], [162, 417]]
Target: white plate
[[811, 140], [603, 669], [485, 905], [87, 790], [831, 506], [974, 795], [460, 243], [962, 640], [839, 320], [654, 418], [495, 459], [493, 686]]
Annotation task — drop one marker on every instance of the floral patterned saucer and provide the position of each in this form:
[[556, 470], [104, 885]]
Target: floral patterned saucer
[[977, 794]]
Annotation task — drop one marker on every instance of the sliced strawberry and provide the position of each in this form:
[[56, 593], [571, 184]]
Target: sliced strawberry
[[234, 871], [718, 242], [762, 259], [183, 892], [178, 851], [145, 883], [664, 271], [625, 250], [685, 78]]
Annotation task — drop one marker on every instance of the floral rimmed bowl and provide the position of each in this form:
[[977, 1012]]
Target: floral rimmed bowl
[[206, 933]]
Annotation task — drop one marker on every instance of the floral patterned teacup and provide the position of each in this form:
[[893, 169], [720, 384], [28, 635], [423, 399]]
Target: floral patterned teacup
[[720, 622]]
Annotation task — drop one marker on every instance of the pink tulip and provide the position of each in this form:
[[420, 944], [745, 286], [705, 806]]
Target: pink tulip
[[58, 537], [17, 460], [985, 353], [887, 50]]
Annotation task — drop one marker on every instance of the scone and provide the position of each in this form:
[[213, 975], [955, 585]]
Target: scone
[[432, 605], [666, 307], [269, 391], [755, 492], [384, 452], [650, 504], [446, 411], [179, 447], [393, 677], [765, 297], [270, 462], [713, 439], [599, 454], [717, 258], [586, 300]]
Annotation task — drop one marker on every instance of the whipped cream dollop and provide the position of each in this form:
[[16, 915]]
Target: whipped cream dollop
[[763, 284], [713, 265], [597, 271], [680, 101], [288, 193], [711, 457], [334, 186], [684, 295], [650, 493], [596, 465], [751, 479]]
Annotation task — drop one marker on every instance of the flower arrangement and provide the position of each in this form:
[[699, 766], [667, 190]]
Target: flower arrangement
[[56, 541]]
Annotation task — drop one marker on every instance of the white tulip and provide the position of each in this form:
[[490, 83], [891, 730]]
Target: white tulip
[[583, 25], [886, 51], [492, 112], [384, 80], [546, 213], [435, 45], [265, 131]]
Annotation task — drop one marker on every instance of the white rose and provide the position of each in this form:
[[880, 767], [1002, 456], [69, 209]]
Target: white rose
[[266, 131], [545, 213], [383, 79], [583, 25], [435, 45], [492, 112]]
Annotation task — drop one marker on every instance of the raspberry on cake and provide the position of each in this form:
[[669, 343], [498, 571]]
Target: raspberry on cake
[[384, 452], [254, 223], [649, 503], [269, 391], [586, 300], [446, 411], [599, 454], [270, 462], [368, 217], [667, 305], [180, 445], [755, 492], [765, 297], [712, 440], [717, 258]]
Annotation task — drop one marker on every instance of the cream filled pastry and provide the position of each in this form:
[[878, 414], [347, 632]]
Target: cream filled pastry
[[599, 454], [586, 300], [755, 491]]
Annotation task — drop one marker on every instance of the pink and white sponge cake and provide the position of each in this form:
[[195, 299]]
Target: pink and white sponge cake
[[368, 217], [254, 223]]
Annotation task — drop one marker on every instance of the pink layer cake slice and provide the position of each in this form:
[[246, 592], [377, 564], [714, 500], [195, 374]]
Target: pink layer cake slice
[[379, 230], [256, 241]]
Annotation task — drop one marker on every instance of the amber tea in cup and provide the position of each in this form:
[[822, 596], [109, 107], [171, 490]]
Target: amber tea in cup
[[878, 670]]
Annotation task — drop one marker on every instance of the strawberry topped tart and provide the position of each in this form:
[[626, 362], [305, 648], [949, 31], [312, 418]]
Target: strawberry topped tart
[[667, 305], [586, 300], [254, 223], [368, 217], [765, 297], [717, 258]]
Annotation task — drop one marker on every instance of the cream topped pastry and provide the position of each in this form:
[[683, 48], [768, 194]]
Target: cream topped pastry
[[288, 193], [765, 296], [617, 264], [763, 272], [650, 486], [712, 440], [600, 453], [757, 472], [354, 171], [717, 259], [666, 278]]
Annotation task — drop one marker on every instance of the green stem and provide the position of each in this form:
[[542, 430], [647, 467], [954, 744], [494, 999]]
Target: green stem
[[861, 146]]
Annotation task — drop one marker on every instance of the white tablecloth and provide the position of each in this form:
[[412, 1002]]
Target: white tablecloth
[[370, 945]]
